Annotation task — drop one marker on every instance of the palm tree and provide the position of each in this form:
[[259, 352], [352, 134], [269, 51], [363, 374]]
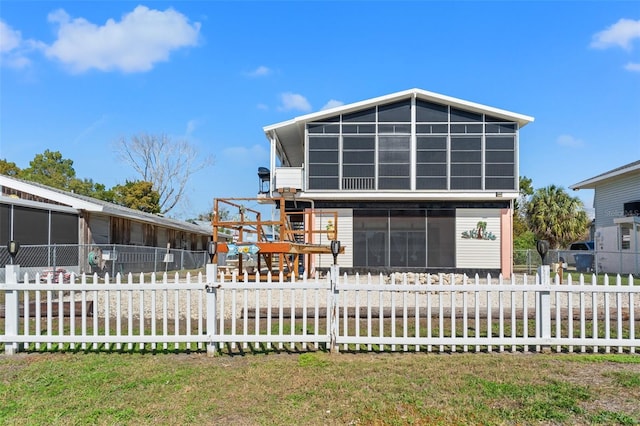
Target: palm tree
[[555, 216]]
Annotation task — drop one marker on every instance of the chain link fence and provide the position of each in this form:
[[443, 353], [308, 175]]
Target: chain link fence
[[605, 262], [101, 259]]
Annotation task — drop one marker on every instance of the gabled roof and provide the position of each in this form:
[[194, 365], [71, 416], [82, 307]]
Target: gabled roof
[[591, 183], [88, 204], [291, 132]]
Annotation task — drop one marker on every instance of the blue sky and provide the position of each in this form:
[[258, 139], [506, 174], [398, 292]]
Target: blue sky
[[77, 76]]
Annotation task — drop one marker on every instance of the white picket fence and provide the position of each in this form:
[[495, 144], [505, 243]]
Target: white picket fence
[[337, 313]]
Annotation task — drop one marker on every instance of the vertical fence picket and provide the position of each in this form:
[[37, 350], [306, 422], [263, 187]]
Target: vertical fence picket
[[619, 319], [304, 311], [583, 320], [176, 315], [369, 318], [141, 317], [477, 312], [245, 315], [570, 296], [558, 313], [465, 314], [345, 318], [428, 311], [164, 307], [632, 324], [257, 316], [512, 300], [380, 320], [154, 318], [453, 313], [441, 311], [500, 314], [292, 296], [269, 309], [489, 309], [594, 313], [416, 316], [607, 315]]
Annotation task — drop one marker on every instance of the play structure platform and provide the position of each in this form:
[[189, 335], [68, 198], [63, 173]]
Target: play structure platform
[[245, 242]]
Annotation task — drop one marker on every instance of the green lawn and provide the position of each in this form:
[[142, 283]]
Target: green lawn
[[319, 389]]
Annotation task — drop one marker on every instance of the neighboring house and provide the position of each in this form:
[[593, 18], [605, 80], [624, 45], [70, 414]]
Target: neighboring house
[[35, 214], [617, 223], [420, 181]]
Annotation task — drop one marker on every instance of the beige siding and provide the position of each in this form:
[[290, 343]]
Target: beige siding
[[473, 252], [345, 236]]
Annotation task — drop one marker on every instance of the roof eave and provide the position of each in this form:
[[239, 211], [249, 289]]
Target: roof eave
[[521, 119], [591, 182]]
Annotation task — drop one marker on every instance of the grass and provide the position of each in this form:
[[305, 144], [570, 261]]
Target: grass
[[319, 388]]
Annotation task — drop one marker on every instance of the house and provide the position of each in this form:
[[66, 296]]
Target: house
[[35, 214], [420, 181], [617, 218]]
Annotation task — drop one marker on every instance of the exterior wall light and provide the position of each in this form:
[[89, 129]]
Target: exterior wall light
[[13, 247]]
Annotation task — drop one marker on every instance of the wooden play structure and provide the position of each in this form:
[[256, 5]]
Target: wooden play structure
[[284, 245]]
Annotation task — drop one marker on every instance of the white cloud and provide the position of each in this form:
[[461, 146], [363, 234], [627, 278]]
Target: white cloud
[[261, 71], [569, 141], [135, 44], [9, 38], [621, 34], [632, 67], [291, 101], [13, 48], [332, 104], [263, 107]]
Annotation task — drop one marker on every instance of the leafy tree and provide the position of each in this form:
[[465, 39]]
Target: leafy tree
[[138, 195], [9, 168], [50, 169], [526, 190], [523, 238], [553, 215], [166, 163]]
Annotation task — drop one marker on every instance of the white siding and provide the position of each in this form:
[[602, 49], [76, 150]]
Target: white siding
[[477, 253], [609, 198], [288, 177], [345, 236]]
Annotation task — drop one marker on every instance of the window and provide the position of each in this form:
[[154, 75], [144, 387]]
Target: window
[[399, 112], [323, 162], [428, 112], [625, 236], [500, 164], [358, 162], [431, 162], [380, 148], [466, 162], [394, 163]]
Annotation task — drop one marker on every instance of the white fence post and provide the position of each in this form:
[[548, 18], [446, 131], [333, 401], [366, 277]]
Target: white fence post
[[544, 306], [211, 294], [333, 309], [11, 304]]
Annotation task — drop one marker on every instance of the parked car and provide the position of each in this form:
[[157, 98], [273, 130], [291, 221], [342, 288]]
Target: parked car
[[580, 255], [55, 275]]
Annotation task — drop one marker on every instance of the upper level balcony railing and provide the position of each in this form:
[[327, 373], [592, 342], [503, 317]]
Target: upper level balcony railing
[[358, 183]]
